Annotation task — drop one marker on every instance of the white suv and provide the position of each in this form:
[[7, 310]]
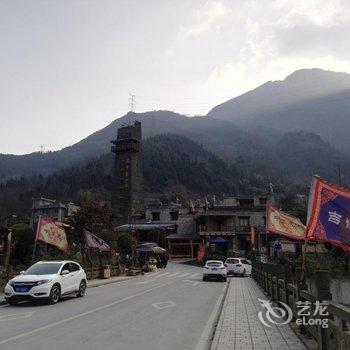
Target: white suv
[[214, 269], [47, 280], [238, 266]]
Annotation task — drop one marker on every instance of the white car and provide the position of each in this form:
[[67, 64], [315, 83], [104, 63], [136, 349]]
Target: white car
[[48, 281], [214, 269], [238, 266]]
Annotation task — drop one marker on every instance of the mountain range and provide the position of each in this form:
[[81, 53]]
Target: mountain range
[[312, 100], [283, 131]]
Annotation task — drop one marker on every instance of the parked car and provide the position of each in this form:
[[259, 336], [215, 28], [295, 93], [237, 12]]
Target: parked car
[[214, 269], [47, 281], [238, 266]]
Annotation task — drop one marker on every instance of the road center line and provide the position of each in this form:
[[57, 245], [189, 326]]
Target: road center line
[[163, 274], [185, 274], [37, 330], [173, 274], [153, 274]]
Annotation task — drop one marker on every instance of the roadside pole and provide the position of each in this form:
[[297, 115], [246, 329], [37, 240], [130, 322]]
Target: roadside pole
[[8, 251]]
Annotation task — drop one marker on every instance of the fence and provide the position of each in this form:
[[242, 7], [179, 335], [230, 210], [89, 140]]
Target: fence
[[281, 283]]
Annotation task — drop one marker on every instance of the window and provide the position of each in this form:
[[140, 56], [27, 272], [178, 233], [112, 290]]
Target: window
[[156, 216], [66, 267], [232, 261], [246, 202], [43, 269], [243, 221], [174, 215], [263, 201], [214, 263], [74, 267]]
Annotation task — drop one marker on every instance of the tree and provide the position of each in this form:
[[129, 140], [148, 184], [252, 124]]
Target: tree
[[93, 216], [125, 241], [23, 241]]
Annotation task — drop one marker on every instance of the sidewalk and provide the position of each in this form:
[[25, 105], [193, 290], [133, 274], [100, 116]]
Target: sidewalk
[[101, 282], [239, 326], [90, 284]]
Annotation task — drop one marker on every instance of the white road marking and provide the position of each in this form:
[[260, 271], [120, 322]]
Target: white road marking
[[162, 275], [173, 274], [164, 305], [153, 274], [16, 316], [103, 307], [192, 283], [143, 282], [185, 274]]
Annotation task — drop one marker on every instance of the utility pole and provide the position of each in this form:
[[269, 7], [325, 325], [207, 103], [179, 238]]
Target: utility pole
[[132, 102], [41, 147]]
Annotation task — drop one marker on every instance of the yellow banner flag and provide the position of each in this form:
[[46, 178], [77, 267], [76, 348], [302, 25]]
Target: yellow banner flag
[[50, 233], [284, 224]]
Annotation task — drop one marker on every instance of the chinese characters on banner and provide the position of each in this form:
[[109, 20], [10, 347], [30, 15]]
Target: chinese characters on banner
[[50, 233], [95, 242], [329, 214], [283, 224]]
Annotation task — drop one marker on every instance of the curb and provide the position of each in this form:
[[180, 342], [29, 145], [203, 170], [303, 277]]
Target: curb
[[104, 282], [207, 337], [216, 336], [89, 285]]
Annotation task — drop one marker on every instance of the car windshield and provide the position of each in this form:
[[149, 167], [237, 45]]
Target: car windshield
[[232, 261], [43, 269], [214, 263]]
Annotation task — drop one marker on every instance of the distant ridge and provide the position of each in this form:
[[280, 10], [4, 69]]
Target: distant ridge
[[257, 132], [312, 100]]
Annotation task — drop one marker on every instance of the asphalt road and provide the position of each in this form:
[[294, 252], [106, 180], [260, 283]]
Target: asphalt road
[[167, 309]]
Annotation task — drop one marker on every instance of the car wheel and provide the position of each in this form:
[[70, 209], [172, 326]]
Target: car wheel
[[82, 289], [55, 294], [204, 278], [243, 274], [224, 279], [12, 302]]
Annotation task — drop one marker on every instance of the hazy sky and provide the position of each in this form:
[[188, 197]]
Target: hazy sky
[[67, 67]]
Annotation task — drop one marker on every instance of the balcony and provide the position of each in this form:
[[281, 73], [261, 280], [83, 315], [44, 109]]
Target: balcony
[[224, 230]]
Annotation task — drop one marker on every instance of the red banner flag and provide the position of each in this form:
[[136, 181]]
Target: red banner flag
[[252, 235], [284, 224], [329, 214], [50, 233]]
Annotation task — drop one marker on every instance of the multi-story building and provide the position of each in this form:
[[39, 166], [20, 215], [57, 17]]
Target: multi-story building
[[229, 222], [51, 208], [233, 219]]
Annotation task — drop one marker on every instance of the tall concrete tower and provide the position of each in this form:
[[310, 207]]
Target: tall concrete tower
[[128, 175]]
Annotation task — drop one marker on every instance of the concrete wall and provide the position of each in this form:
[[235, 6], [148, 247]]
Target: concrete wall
[[186, 224]]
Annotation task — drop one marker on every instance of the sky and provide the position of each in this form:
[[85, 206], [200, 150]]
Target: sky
[[67, 68]]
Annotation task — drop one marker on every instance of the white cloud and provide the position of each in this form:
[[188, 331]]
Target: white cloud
[[278, 39], [318, 12], [205, 18]]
